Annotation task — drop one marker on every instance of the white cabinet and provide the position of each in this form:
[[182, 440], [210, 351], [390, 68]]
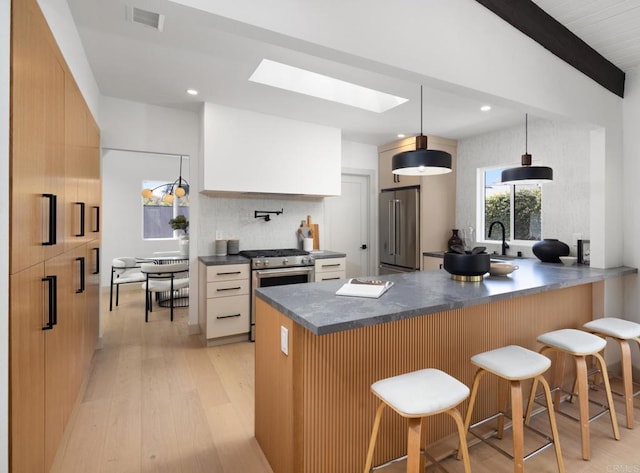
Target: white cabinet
[[330, 268], [431, 262], [224, 303], [252, 152]]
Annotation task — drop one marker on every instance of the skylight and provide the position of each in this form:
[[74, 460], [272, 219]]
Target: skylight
[[306, 82]]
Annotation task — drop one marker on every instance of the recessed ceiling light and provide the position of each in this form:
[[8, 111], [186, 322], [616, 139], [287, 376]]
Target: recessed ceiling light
[[317, 85], [485, 108], [192, 91], [401, 135]]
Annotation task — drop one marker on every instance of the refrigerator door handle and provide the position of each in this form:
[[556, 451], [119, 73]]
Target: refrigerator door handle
[[392, 227], [398, 231]]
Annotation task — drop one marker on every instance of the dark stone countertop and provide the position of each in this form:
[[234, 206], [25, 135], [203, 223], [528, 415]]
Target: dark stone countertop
[[316, 307], [324, 254], [219, 260]]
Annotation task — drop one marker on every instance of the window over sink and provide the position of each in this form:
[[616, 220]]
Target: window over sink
[[518, 207]]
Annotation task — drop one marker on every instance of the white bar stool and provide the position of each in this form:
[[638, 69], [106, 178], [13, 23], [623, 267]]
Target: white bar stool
[[622, 331], [580, 345], [417, 395], [514, 364]]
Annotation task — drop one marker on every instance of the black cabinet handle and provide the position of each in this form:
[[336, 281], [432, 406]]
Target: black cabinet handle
[[52, 317], [330, 265], [97, 266], [82, 206], [81, 261], [227, 316], [228, 289], [329, 279], [96, 229], [53, 210], [225, 274]]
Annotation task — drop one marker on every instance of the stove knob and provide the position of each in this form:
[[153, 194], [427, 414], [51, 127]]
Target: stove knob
[[266, 262], [257, 263], [285, 261]]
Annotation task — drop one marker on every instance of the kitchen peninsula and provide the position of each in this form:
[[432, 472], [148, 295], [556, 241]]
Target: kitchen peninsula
[[314, 409]]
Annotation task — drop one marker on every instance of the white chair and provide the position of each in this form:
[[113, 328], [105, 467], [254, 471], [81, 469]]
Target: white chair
[[623, 332], [124, 270], [415, 396], [163, 278]]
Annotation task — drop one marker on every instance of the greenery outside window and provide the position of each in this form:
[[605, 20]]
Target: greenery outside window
[[157, 212], [518, 207]]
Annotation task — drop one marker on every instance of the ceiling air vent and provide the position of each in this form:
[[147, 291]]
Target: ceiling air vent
[[146, 18]]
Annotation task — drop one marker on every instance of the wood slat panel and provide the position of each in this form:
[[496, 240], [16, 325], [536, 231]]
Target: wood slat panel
[[332, 409]]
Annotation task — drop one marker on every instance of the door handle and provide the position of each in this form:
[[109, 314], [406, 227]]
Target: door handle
[[392, 227], [80, 290], [97, 250], [398, 229], [363, 246], [53, 208], [96, 229], [52, 317], [82, 205]]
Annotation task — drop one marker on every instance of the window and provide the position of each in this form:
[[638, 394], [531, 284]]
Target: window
[[157, 212], [518, 207]]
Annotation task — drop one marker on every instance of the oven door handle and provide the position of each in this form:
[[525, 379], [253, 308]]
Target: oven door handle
[[293, 271]]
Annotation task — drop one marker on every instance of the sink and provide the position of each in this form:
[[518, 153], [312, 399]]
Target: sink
[[504, 258]]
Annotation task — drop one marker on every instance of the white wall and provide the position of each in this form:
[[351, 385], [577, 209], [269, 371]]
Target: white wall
[[122, 176], [631, 207], [5, 42], [562, 146], [127, 125], [359, 156]]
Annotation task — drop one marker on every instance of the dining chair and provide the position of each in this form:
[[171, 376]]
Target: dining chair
[[124, 270], [163, 278]]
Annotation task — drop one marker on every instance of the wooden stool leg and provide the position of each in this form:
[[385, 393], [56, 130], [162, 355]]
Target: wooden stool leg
[[558, 375], [472, 402], [415, 461], [463, 450], [583, 398], [374, 437], [532, 398], [518, 426], [607, 385], [503, 405], [627, 380], [552, 422]]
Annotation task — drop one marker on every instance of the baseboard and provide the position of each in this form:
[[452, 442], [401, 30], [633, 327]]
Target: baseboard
[[193, 329]]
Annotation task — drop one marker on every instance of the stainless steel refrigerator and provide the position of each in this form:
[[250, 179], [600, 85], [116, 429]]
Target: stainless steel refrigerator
[[399, 216]]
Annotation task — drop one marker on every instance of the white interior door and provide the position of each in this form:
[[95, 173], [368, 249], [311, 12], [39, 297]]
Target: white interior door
[[347, 218]]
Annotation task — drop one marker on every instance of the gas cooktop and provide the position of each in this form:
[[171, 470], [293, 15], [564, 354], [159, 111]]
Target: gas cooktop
[[273, 253]]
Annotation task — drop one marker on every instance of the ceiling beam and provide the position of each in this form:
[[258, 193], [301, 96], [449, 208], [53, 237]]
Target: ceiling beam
[[533, 21]]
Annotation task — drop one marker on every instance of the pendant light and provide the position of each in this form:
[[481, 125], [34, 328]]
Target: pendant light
[[526, 173], [177, 188], [422, 161]]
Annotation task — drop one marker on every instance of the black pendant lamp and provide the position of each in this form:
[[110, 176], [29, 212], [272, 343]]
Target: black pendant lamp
[[422, 161], [526, 173]]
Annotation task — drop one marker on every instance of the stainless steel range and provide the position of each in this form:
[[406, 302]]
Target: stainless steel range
[[277, 268]]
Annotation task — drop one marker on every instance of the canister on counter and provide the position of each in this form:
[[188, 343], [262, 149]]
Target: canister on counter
[[221, 247], [233, 247]]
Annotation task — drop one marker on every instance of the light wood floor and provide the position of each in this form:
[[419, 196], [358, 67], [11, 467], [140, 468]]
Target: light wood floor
[[156, 400]]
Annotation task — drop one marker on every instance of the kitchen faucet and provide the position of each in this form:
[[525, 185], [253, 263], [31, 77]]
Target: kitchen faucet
[[504, 243]]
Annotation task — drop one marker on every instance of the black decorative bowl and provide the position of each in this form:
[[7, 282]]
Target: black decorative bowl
[[467, 267], [550, 250]]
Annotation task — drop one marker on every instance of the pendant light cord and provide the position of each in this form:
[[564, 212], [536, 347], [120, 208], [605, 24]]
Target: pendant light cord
[[420, 109], [526, 134]]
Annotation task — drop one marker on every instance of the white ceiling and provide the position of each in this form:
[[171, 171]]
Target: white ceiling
[[611, 27], [216, 56]]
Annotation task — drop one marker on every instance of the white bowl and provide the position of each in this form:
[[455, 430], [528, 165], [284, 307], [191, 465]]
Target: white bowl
[[502, 269], [568, 260]]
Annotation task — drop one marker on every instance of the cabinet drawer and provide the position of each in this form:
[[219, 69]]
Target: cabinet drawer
[[227, 288], [330, 264], [227, 316], [227, 272], [330, 275]]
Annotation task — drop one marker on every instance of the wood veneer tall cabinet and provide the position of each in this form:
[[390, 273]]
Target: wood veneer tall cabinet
[[55, 241], [437, 193]]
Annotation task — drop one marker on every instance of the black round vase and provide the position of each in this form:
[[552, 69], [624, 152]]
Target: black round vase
[[549, 250]]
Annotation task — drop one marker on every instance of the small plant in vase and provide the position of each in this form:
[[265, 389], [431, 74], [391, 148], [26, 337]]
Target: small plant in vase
[[180, 222]]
